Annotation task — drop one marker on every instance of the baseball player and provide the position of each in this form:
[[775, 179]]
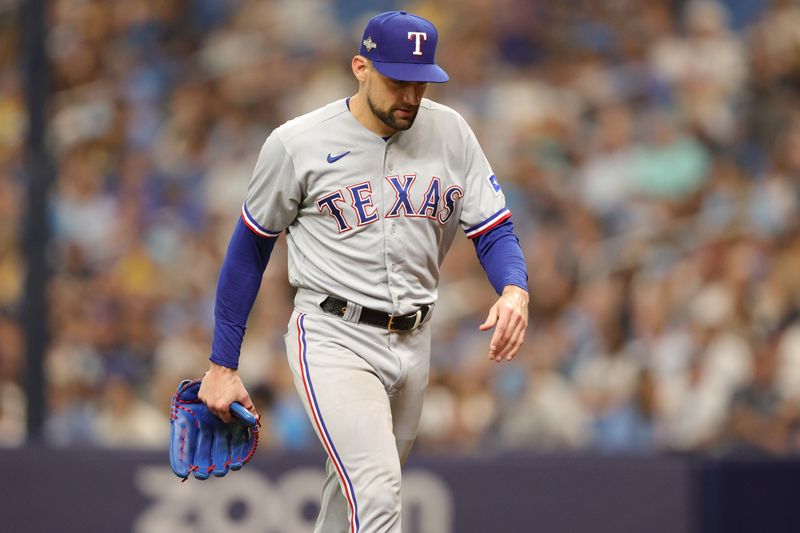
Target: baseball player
[[371, 191]]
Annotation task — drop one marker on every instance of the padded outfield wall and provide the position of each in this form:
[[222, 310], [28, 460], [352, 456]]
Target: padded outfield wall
[[103, 491]]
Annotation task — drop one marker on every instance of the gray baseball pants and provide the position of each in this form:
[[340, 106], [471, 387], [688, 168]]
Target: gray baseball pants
[[362, 387]]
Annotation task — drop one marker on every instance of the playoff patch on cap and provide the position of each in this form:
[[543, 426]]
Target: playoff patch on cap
[[402, 46]]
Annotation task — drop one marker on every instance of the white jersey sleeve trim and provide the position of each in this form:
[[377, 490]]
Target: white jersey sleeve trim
[[487, 224], [254, 226]]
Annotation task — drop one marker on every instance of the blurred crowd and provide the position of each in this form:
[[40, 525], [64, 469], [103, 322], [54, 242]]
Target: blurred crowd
[[650, 153]]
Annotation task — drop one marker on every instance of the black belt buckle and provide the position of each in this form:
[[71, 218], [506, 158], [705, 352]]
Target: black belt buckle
[[417, 319]]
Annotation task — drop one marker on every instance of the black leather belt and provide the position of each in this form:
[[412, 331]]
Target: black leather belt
[[338, 307]]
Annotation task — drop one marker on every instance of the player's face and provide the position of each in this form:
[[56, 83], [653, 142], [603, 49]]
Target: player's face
[[394, 102]]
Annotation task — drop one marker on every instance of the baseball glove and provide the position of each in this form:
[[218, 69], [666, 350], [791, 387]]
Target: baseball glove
[[201, 443]]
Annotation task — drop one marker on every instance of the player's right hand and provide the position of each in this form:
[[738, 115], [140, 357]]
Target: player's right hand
[[222, 386], [510, 316]]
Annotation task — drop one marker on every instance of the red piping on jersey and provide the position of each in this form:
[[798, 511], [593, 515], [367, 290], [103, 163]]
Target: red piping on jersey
[[493, 224]]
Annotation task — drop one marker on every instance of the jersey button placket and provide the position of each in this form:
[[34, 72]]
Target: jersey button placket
[[391, 225]]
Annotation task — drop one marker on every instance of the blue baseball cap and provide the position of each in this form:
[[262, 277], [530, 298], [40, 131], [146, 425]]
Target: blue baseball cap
[[402, 46]]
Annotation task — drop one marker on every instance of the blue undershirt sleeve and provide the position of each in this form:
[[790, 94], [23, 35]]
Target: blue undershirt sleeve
[[237, 288], [501, 257]]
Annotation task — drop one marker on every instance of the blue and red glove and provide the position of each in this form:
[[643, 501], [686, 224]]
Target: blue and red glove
[[201, 443]]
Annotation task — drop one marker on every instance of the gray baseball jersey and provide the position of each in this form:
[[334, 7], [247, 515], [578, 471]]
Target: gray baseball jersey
[[370, 220]]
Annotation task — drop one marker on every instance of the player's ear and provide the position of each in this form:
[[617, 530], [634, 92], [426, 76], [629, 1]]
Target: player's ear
[[361, 66]]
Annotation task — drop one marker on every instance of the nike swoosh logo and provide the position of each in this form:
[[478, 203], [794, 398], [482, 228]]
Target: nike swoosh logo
[[335, 158]]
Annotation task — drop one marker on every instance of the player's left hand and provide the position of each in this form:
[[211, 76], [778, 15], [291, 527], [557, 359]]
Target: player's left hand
[[509, 317]]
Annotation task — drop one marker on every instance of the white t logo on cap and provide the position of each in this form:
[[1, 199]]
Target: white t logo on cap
[[420, 36]]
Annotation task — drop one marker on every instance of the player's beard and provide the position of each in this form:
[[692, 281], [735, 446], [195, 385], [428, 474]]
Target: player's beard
[[388, 117]]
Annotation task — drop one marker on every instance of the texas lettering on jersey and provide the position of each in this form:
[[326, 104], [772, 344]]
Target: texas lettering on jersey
[[370, 219], [435, 204]]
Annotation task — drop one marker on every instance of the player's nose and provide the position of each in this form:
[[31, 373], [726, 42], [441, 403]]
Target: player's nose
[[412, 93]]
